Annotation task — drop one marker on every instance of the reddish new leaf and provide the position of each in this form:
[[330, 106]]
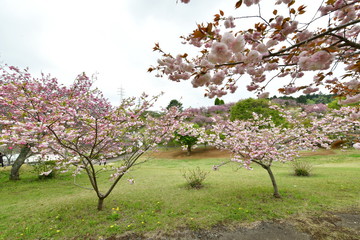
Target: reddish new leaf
[[238, 4]]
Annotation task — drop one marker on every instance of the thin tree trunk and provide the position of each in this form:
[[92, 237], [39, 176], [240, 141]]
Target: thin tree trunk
[[100, 204], [272, 177], [188, 150], [14, 173]]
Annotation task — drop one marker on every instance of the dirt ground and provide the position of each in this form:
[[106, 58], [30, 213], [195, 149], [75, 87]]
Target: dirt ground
[[176, 153], [327, 226], [210, 152]]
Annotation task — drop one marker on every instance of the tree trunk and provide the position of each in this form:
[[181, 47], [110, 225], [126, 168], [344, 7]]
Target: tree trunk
[[14, 173], [100, 204], [188, 150], [272, 177], [8, 161]]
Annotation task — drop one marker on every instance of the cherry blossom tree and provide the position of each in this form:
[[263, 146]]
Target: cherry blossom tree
[[22, 98], [124, 132], [188, 134], [262, 142], [315, 108], [284, 44], [80, 126], [204, 116]]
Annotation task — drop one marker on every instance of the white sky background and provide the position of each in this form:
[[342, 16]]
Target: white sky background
[[113, 38]]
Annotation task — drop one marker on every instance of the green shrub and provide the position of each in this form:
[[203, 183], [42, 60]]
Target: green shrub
[[45, 169], [195, 177], [243, 110], [301, 168]]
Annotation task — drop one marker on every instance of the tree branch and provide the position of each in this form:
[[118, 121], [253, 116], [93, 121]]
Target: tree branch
[[346, 41], [328, 32], [279, 53]]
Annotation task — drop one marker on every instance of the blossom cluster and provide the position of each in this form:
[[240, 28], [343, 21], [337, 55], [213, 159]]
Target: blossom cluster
[[77, 123], [206, 116], [260, 141], [315, 108], [280, 47]]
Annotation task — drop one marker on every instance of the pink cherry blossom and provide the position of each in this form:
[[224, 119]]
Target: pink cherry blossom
[[220, 53], [264, 95], [290, 43], [309, 90], [229, 22], [260, 142], [80, 126], [357, 145]]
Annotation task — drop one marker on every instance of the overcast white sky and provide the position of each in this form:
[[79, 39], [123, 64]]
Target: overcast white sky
[[113, 38]]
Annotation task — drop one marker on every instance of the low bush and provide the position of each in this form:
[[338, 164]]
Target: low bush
[[195, 177], [301, 168], [45, 169]]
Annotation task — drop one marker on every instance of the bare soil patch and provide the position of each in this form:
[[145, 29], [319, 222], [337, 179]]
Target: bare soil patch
[[210, 152], [203, 152], [329, 226]]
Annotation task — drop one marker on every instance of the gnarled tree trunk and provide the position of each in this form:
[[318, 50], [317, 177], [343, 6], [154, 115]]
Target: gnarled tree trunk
[[14, 173]]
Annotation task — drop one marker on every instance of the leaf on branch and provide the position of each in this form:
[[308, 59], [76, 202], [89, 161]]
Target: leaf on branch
[[150, 69], [275, 12], [209, 28], [274, 60], [157, 47], [217, 17], [291, 3], [286, 20], [292, 11], [346, 75], [329, 74], [301, 9], [321, 77], [330, 2], [203, 31], [238, 4], [198, 34], [221, 13], [331, 49], [356, 66], [204, 51], [260, 27]]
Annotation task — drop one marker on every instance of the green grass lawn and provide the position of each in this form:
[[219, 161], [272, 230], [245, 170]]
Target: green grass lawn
[[160, 199]]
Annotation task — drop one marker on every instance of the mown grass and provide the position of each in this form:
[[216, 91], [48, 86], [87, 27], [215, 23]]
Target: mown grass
[[160, 199]]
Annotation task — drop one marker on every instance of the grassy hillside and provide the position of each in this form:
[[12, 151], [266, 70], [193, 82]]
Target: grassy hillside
[[161, 200]]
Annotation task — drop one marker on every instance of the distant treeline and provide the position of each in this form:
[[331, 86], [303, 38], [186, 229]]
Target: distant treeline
[[309, 98]]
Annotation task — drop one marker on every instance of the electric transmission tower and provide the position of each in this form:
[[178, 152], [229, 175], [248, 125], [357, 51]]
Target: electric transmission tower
[[121, 93]]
